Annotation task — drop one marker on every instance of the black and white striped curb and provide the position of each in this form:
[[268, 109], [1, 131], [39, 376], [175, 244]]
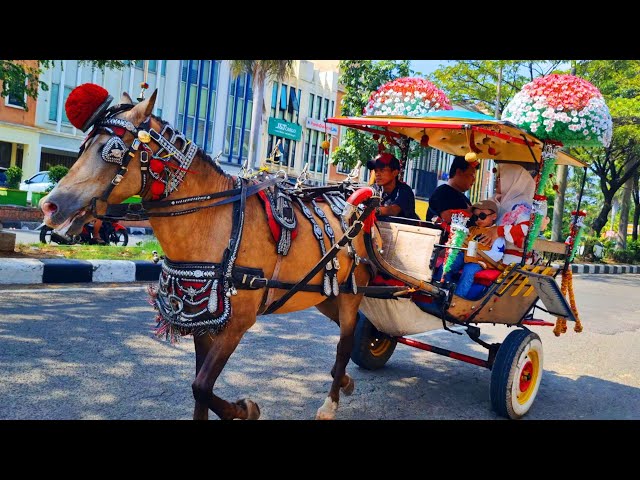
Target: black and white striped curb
[[28, 270], [605, 268]]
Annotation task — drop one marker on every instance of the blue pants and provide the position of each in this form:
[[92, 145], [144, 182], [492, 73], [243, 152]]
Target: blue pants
[[466, 279]]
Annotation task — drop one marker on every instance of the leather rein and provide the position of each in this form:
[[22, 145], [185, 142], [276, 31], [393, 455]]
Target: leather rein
[[115, 150]]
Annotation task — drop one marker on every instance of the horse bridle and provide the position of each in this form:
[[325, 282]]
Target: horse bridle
[[116, 151]]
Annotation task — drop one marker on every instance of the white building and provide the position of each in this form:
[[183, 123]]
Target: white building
[[203, 100]]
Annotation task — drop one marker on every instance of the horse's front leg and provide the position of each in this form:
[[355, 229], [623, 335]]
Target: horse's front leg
[[212, 354], [348, 312]]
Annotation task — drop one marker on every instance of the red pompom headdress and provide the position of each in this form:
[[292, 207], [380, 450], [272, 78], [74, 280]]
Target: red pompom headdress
[[85, 104]]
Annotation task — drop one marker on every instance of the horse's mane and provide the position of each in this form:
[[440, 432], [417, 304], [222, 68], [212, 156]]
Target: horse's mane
[[200, 152]]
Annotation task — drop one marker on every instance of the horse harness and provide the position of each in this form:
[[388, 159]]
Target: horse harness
[[194, 297]]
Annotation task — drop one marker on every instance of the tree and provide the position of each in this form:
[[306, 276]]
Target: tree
[[20, 77], [619, 83], [636, 203], [260, 71], [360, 78], [489, 85]]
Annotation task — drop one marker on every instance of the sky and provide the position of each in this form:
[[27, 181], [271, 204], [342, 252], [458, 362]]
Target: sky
[[426, 66]]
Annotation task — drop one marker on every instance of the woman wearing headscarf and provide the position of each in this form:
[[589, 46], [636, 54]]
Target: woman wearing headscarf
[[514, 195]]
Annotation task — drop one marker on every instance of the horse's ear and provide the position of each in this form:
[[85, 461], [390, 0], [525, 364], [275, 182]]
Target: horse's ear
[[151, 103], [144, 108], [126, 99]]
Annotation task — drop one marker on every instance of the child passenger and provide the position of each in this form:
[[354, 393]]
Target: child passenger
[[485, 213]]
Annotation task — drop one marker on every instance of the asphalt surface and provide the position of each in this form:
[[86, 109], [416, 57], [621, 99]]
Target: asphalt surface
[[87, 352]]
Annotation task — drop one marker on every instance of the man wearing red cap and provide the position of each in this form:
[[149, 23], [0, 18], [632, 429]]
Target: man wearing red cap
[[398, 199]]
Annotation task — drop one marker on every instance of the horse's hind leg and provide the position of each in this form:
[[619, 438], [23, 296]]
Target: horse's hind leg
[[348, 311], [212, 354]]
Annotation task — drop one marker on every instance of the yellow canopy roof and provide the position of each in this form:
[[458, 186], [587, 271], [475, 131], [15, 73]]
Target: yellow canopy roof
[[453, 131]]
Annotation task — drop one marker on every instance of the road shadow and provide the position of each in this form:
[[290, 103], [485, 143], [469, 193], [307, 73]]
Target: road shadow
[[96, 364]]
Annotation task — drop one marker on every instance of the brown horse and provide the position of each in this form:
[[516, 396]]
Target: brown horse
[[203, 236]]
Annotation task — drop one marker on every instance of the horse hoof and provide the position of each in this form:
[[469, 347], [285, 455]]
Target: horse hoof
[[349, 387], [251, 407], [328, 410]]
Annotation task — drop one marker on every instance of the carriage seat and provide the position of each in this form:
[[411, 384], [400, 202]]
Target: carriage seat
[[487, 276]]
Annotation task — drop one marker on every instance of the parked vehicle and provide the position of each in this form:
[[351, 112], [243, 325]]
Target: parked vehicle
[[113, 233], [37, 183], [3, 177]]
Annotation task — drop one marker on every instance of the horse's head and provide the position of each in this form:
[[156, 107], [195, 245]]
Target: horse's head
[[110, 149]]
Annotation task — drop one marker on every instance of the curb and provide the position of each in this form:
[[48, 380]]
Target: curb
[[600, 269], [53, 270]]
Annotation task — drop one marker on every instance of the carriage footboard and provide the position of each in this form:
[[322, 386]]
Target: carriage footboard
[[547, 289]]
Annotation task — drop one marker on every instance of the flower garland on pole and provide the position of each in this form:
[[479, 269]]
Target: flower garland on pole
[[457, 234], [539, 210], [572, 242], [575, 232], [561, 110]]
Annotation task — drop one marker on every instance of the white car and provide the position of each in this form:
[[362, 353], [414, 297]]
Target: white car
[[37, 183]]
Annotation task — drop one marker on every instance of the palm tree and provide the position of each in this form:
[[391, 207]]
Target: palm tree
[[260, 71]]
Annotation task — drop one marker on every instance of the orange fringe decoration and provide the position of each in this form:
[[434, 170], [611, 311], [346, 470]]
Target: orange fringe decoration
[[567, 288]]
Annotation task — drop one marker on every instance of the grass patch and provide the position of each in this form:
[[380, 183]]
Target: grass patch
[[140, 251]]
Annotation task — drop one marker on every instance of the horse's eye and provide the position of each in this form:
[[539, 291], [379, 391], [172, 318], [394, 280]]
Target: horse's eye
[[114, 150]]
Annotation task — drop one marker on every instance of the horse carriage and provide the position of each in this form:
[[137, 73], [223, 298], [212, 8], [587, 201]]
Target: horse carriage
[[241, 246], [406, 251]]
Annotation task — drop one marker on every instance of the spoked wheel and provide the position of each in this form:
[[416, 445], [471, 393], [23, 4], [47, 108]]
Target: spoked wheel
[[516, 374], [119, 238], [371, 348], [45, 234]]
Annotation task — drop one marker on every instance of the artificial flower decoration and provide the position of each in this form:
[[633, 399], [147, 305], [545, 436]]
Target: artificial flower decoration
[[408, 96], [562, 108]]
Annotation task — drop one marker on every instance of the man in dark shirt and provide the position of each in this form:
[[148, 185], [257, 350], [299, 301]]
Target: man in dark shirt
[[398, 199], [450, 196]]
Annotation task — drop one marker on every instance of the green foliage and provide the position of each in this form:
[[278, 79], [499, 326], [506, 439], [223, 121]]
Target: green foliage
[[619, 83], [262, 69], [55, 175], [360, 79], [141, 251], [19, 77], [57, 172], [475, 82], [14, 175]]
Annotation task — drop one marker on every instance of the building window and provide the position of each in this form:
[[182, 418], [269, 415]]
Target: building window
[[49, 159], [286, 100], [283, 99], [153, 66], [313, 153], [197, 100], [53, 102], [163, 69], [13, 100], [238, 121]]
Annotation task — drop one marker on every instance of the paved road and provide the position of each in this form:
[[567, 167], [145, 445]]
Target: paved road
[[86, 352]]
